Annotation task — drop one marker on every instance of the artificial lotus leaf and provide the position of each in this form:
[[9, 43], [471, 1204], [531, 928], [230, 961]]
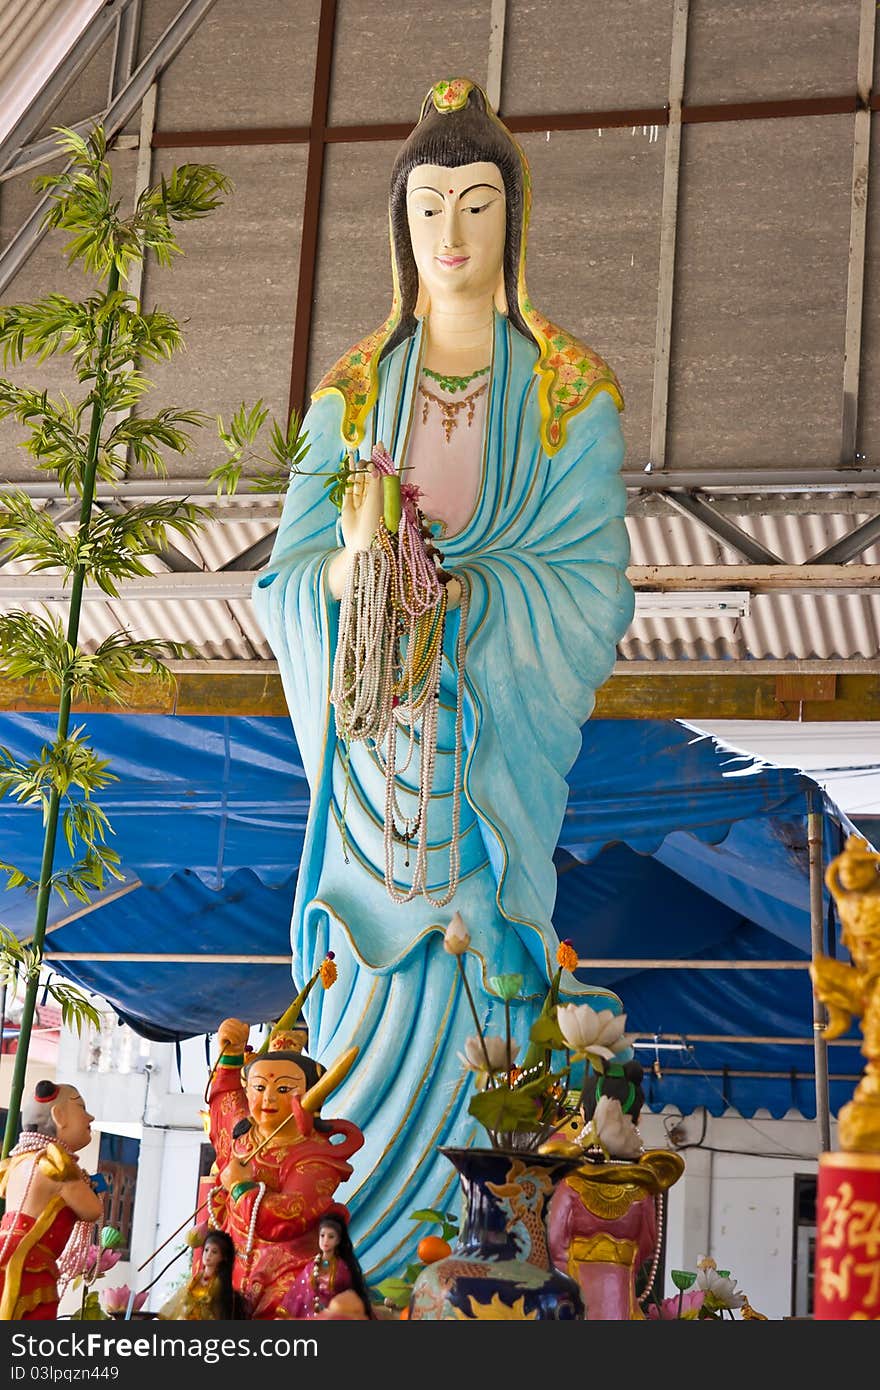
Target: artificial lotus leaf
[[683, 1279], [545, 1033], [444, 1219], [427, 1214], [90, 1309], [501, 1109], [111, 1239], [507, 987]]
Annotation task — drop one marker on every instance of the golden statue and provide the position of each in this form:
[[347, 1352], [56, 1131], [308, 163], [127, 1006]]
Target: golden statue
[[852, 990]]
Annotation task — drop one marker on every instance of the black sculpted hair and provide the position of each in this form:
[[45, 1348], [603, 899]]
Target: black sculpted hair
[[468, 136], [231, 1305]]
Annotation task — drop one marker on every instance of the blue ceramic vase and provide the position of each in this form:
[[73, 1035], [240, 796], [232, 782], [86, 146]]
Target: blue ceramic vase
[[500, 1267]]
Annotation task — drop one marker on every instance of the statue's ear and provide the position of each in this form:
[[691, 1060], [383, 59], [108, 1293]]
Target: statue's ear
[[423, 301], [501, 303]]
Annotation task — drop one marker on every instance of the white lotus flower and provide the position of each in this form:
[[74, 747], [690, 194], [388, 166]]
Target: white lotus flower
[[456, 938], [585, 1029], [720, 1287], [616, 1133], [496, 1050]]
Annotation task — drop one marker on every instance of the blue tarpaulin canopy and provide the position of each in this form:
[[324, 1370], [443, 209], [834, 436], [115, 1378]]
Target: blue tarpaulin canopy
[[673, 849]]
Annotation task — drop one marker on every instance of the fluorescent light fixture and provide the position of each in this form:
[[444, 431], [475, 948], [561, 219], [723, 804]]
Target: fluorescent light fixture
[[718, 604]]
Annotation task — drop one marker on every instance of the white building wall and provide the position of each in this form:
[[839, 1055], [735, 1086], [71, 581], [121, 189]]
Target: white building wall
[[736, 1199], [145, 1103]]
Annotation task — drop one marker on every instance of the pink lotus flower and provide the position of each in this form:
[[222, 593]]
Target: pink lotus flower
[[100, 1261], [116, 1300], [691, 1303], [95, 1262]]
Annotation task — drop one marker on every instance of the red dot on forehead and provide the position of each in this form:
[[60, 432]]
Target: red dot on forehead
[[452, 190]]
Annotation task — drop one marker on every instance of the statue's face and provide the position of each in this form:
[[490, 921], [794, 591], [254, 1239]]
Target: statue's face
[[212, 1258], [73, 1123], [270, 1089], [457, 227], [328, 1239]]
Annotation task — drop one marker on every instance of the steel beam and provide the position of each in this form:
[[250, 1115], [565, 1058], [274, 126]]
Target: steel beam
[[256, 555], [230, 584], [719, 482], [124, 48], [721, 527], [668, 229], [14, 152], [308, 246], [495, 64], [851, 545], [857, 234], [747, 479], [756, 579], [166, 49]]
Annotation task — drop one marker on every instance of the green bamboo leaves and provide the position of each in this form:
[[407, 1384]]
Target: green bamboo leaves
[[100, 437], [101, 237], [287, 448]]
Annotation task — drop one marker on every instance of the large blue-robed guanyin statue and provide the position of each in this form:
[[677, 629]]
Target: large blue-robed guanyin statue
[[509, 428]]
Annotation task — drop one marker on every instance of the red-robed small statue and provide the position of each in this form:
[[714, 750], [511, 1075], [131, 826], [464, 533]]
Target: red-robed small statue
[[51, 1203], [279, 1164]]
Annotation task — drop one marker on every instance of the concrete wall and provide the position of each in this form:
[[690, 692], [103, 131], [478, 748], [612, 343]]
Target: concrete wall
[[736, 1199], [764, 211]]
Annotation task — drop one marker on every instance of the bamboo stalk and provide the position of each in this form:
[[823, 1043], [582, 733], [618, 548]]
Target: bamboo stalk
[[50, 835]]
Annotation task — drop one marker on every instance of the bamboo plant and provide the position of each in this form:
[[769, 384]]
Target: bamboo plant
[[100, 437]]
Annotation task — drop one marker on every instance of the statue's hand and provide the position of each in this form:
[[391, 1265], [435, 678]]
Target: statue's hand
[[361, 509], [235, 1172], [233, 1035]]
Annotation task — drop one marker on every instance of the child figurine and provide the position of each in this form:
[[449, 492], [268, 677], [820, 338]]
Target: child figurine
[[208, 1295], [334, 1270]]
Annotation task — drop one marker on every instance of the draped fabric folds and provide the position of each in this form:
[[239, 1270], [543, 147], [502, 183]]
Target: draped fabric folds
[[544, 556]]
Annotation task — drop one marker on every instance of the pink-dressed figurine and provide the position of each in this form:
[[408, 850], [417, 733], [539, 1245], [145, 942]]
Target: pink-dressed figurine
[[334, 1270]]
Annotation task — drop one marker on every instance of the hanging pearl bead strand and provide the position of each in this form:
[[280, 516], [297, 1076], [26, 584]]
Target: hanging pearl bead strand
[[426, 781], [386, 679]]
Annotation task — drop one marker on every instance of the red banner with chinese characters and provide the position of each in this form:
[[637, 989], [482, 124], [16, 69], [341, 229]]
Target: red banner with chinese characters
[[847, 1275]]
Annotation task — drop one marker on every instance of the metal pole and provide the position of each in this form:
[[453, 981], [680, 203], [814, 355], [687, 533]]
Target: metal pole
[[817, 916]]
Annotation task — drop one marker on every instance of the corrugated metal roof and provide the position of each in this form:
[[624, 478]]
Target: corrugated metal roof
[[800, 626], [35, 35]]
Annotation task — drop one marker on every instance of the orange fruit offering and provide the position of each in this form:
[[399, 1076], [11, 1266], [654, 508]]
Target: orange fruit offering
[[431, 1248]]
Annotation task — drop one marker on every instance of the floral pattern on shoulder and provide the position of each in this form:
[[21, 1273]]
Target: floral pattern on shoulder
[[355, 378], [571, 376]]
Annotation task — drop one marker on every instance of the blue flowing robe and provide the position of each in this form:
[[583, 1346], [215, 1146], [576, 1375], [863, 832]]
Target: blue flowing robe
[[545, 555]]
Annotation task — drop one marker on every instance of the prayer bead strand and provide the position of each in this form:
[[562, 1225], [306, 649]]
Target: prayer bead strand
[[386, 683]]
